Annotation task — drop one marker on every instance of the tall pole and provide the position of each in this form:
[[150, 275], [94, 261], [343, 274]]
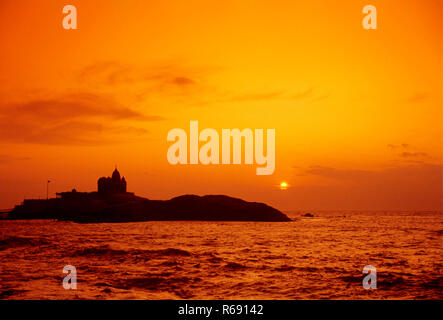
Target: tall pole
[[47, 190]]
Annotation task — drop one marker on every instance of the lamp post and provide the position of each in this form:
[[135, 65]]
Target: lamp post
[[47, 189]]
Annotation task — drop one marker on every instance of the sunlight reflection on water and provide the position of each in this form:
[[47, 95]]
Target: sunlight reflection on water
[[318, 257]]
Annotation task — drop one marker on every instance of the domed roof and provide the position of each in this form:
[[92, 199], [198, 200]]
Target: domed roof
[[116, 175]]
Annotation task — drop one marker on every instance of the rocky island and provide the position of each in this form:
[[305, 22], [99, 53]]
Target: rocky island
[[112, 203]]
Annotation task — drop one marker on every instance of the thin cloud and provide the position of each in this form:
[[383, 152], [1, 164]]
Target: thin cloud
[[4, 158], [418, 97], [177, 80], [275, 95], [82, 118], [183, 81], [396, 188], [157, 77], [308, 93], [256, 96], [395, 173], [413, 154], [66, 133], [322, 97], [407, 151], [399, 146], [340, 174], [72, 106]]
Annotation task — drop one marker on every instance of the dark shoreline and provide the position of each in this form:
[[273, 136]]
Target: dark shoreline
[[127, 207]]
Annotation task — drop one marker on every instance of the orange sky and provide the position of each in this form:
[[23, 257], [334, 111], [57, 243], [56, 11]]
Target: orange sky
[[357, 113]]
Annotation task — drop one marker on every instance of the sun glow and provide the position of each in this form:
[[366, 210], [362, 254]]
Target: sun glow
[[284, 186]]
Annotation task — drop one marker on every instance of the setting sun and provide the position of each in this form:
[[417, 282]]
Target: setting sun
[[283, 185]]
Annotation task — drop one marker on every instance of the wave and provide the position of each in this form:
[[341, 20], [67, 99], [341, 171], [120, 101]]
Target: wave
[[8, 293], [98, 251], [159, 283], [106, 250], [392, 281], [307, 269], [234, 266], [215, 260], [285, 268], [170, 252], [436, 283], [12, 242]]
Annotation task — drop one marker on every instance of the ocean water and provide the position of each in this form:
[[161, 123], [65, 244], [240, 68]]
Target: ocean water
[[310, 258]]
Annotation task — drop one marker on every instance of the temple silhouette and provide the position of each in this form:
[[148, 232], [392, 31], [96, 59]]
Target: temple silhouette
[[106, 187], [112, 203], [111, 185]]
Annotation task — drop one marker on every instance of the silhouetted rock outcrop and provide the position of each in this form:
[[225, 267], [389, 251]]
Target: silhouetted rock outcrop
[[126, 207], [111, 203]]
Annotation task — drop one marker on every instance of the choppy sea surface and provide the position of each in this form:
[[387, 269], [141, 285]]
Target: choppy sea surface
[[320, 257]]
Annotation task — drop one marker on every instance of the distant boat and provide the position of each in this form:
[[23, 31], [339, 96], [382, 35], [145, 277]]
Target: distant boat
[[310, 215]]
